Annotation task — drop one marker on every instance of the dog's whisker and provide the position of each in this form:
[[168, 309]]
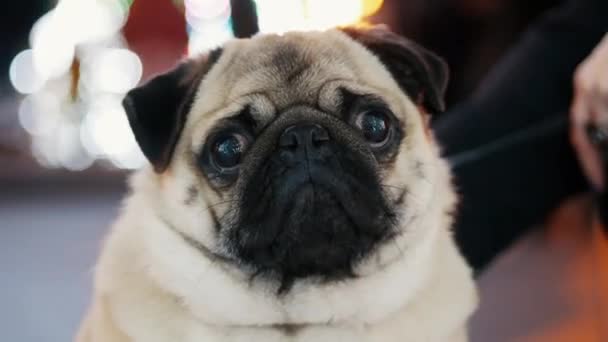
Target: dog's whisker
[[393, 186], [208, 207]]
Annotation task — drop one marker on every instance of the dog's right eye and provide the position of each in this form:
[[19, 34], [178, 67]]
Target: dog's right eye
[[227, 150], [375, 126]]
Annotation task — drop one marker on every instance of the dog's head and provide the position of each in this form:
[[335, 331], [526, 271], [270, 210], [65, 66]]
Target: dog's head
[[294, 156]]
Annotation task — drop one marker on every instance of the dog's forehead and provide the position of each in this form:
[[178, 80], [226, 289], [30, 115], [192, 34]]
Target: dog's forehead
[[288, 68], [292, 67]]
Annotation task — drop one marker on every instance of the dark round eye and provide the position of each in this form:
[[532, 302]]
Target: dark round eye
[[374, 125], [228, 150]]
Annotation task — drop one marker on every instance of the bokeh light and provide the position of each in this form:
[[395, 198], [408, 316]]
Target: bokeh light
[[39, 114], [23, 75], [90, 20], [279, 16], [208, 36], [70, 153], [208, 24], [113, 70], [52, 47], [198, 10], [78, 46], [323, 14], [370, 7], [105, 133], [78, 69]]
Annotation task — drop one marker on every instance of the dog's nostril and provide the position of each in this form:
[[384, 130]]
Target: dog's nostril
[[288, 141], [319, 135], [298, 136]]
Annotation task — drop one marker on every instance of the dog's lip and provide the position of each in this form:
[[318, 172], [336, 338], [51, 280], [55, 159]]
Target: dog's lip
[[310, 188], [314, 187], [328, 182], [318, 176]]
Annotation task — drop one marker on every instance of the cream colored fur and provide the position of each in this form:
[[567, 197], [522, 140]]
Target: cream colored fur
[[151, 286]]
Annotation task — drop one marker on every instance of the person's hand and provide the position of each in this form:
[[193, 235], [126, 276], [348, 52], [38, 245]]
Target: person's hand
[[590, 106]]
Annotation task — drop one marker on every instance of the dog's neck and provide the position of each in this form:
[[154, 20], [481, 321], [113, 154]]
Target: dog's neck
[[227, 296], [377, 307]]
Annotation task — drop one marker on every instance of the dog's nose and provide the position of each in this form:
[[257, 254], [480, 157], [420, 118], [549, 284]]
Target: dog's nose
[[304, 137]]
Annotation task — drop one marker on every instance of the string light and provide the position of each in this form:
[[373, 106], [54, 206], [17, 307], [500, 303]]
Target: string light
[[112, 70], [200, 10], [78, 43], [207, 36], [70, 153], [23, 75], [52, 46], [279, 16], [90, 20], [208, 24], [39, 114], [105, 133], [323, 14], [370, 7]]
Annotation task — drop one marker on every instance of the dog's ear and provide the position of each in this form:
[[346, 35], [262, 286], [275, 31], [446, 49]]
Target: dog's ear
[[419, 72], [158, 109]]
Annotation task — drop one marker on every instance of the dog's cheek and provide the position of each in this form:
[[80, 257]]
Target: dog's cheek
[[408, 180], [184, 201]]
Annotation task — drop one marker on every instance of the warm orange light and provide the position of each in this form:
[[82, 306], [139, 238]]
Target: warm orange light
[[371, 6]]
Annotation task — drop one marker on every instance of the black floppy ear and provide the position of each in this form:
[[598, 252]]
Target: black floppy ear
[[419, 72], [158, 109]]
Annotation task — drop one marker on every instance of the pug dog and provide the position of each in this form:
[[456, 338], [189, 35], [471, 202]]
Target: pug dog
[[294, 193]]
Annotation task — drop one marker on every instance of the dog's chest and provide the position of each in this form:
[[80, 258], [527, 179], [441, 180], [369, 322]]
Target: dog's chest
[[396, 331], [405, 325]]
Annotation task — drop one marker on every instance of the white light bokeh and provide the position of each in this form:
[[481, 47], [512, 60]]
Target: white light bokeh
[[132, 159], [205, 37], [111, 70], [90, 20], [324, 14], [23, 75], [105, 133], [197, 10], [45, 151], [61, 148], [87, 32], [70, 153], [52, 46], [279, 16], [208, 23], [39, 114]]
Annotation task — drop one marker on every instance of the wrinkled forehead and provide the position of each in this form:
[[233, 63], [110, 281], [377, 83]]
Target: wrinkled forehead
[[288, 68], [272, 73]]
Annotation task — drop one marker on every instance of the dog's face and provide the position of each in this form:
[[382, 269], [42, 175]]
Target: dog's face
[[294, 156]]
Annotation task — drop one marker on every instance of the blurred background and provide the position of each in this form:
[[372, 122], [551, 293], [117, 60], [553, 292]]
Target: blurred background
[[66, 148]]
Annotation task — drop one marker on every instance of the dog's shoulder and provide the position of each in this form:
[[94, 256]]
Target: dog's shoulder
[[124, 287]]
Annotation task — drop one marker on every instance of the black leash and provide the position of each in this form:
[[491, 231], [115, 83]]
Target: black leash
[[540, 130]]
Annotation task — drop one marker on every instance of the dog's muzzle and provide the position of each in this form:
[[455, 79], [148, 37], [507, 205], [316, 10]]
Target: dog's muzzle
[[313, 207]]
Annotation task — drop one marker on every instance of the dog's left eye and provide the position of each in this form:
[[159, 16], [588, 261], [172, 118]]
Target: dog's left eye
[[227, 150], [375, 126]]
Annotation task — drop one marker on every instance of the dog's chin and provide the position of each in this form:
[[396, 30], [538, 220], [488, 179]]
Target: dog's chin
[[312, 233]]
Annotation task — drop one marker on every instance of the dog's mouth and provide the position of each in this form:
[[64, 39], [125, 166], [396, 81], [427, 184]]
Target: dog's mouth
[[311, 223]]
